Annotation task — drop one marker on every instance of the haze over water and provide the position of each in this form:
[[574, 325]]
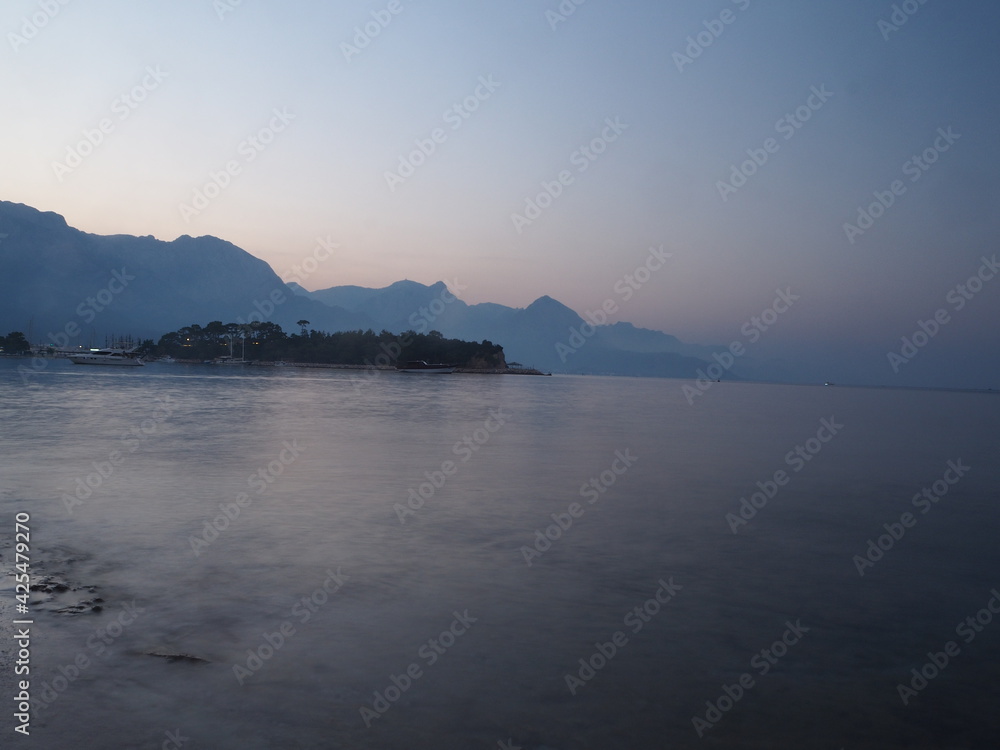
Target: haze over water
[[324, 456]]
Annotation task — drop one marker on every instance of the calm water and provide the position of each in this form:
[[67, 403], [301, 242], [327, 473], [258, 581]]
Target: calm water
[[321, 460]]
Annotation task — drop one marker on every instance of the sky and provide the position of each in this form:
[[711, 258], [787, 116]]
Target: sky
[[515, 150]]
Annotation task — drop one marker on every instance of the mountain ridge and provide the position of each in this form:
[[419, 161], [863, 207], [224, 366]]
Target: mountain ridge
[[540, 334], [66, 287]]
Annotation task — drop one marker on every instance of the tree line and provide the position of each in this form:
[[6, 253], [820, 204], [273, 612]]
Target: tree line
[[267, 342], [14, 343]]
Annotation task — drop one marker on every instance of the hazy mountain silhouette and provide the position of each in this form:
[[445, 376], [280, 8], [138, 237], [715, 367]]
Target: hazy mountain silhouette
[[54, 277], [72, 288], [529, 335]]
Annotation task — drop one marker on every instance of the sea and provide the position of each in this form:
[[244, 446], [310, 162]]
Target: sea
[[282, 557]]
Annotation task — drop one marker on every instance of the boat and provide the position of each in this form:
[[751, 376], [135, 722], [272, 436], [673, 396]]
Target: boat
[[115, 357], [421, 367], [231, 360]]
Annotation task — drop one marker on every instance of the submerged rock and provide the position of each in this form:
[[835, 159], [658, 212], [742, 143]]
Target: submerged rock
[[58, 596], [178, 657]]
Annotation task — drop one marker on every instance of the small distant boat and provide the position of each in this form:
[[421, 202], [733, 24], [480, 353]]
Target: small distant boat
[[114, 357], [231, 360], [421, 367]]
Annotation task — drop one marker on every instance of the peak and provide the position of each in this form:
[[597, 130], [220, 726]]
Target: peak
[[545, 301], [205, 238], [32, 215], [549, 309], [407, 284]]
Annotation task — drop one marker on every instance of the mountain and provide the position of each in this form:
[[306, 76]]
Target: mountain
[[66, 287], [70, 287], [546, 334]]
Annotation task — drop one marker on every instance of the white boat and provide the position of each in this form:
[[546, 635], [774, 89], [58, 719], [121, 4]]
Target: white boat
[[114, 357]]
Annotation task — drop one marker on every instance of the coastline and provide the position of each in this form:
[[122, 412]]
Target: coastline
[[383, 368]]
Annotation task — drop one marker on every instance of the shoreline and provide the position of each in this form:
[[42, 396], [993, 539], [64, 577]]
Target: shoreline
[[381, 368], [329, 366]]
